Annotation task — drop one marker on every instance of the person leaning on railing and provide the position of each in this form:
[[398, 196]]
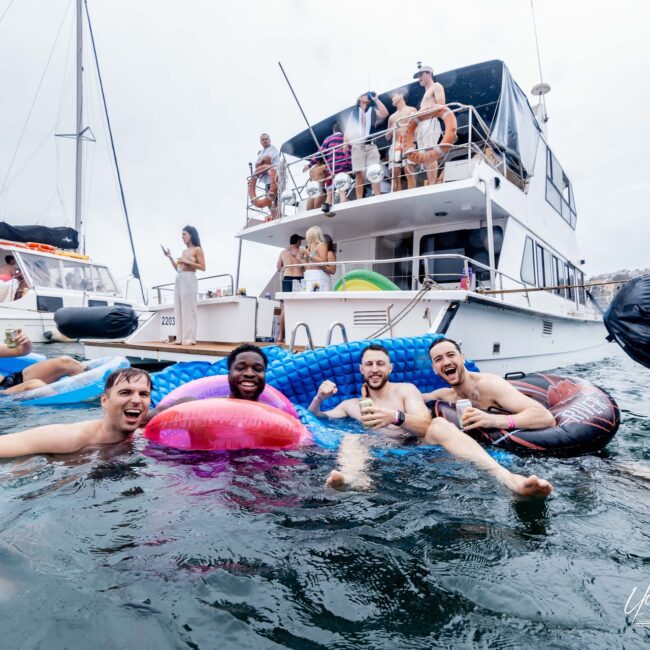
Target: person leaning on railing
[[363, 122], [316, 278]]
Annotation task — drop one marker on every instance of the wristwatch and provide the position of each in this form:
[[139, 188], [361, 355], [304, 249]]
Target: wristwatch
[[400, 416]]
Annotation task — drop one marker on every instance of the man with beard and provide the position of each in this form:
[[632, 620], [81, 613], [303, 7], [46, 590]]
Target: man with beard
[[400, 406], [126, 399], [485, 391]]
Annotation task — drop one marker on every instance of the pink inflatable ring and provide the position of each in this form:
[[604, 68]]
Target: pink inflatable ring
[[221, 424], [217, 386]]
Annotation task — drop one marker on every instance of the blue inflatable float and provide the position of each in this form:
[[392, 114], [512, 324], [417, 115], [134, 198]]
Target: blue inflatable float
[[85, 386], [9, 365], [298, 376]]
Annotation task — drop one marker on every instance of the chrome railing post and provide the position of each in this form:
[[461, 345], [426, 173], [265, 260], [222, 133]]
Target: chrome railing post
[[330, 333], [294, 331]]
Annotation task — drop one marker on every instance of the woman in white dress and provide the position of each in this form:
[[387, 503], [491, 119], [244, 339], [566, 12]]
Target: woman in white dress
[[316, 278], [186, 287]]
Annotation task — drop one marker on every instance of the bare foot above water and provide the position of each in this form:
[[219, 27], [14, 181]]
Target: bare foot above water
[[529, 485], [339, 481]]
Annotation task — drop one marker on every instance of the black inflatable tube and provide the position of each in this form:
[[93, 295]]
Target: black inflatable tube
[[587, 418], [114, 322]]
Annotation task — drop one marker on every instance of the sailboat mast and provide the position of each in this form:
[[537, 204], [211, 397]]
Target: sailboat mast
[[78, 220]]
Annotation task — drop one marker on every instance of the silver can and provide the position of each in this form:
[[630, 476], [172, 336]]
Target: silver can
[[461, 406]]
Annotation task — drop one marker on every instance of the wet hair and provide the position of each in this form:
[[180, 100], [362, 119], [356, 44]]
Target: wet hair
[[376, 347], [246, 347], [444, 340], [9, 259], [125, 374], [194, 235]]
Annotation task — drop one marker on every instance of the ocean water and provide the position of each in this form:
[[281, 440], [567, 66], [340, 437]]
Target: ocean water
[[136, 548]]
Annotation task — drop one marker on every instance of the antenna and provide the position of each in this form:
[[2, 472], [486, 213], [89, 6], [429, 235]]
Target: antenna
[[541, 88]]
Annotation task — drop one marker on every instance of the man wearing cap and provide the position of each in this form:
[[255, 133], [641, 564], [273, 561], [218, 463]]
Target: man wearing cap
[[363, 122], [428, 132]]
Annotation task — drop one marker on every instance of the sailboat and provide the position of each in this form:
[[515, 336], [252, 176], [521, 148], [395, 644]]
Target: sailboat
[[44, 269]]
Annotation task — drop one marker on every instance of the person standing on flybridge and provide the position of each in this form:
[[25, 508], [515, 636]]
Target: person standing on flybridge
[[186, 287]]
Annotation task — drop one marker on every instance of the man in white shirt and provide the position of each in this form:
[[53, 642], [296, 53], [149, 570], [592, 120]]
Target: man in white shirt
[[267, 157]]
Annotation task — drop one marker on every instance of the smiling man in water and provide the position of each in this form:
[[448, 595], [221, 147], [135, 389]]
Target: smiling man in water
[[125, 400], [247, 372], [397, 408]]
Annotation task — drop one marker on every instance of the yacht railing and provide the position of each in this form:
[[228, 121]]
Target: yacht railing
[[435, 279], [294, 185], [164, 292]]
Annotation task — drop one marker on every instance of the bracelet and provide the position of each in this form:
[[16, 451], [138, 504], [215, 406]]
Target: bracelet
[[511, 422]]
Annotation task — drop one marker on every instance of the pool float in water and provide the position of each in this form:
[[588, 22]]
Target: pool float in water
[[226, 424], [9, 365], [360, 280], [217, 386], [587, 417], [85, 386]]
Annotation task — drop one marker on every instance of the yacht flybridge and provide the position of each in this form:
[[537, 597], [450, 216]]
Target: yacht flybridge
[[487, 254]]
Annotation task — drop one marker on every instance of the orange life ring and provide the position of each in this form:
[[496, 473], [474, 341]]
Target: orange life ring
[[437, 152], [5, 242], [267, 200], [41, 248]]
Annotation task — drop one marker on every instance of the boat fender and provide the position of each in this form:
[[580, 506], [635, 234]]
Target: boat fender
[[113, 322], [628, 319]]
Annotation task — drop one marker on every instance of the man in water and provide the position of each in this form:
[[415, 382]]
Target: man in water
[[247, 372], [38, 374], [400, 406], [125, 400], [428, 132], [246, 377], [485, 391]]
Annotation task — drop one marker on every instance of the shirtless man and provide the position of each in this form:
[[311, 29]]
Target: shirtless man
[[290, 256], [484, 391], [396, 128], [428, 132], [399, 406], [126, 399], [38, 374]]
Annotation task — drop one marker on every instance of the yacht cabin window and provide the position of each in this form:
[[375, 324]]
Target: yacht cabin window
[[559, 192]]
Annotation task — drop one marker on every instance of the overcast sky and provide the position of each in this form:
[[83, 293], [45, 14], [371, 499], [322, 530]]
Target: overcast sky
[[190, 85]]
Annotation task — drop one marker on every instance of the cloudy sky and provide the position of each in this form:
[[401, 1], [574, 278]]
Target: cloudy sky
[[191, 84]]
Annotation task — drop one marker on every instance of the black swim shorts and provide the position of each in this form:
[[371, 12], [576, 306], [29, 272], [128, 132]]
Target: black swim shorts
[[9, 381]]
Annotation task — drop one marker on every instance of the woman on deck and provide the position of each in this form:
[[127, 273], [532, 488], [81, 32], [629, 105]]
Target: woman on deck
[[185, 292], [316, 278]]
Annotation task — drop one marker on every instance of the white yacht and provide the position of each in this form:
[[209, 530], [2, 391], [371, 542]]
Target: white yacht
[[42, 278], [486, 255], [48, 270]]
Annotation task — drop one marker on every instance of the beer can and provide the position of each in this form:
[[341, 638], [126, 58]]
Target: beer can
[[462, 405], [365, 403], [10, 335]]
